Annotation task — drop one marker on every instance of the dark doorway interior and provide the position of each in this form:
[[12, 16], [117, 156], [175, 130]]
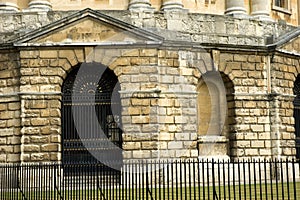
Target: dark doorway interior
[[91, 116]]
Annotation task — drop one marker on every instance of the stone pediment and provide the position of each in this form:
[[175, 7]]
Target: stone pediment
[[87, 27], [292, 46], [289, 42]]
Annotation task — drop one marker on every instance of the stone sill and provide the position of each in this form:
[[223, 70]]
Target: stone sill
[[283, 10], [212, 139]]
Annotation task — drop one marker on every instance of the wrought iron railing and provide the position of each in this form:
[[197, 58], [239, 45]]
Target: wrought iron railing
[[190, 179]]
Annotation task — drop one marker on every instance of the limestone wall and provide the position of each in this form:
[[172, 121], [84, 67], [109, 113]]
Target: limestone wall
[[10, 122], [160, 108]]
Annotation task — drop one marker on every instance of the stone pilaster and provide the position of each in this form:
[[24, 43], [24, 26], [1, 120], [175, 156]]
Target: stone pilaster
[[235, 7], [261, 9], [139, 5], [172, 5], [40, 5], [8, 6]]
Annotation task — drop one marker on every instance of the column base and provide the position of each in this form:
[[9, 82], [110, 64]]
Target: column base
[[8, 7], [236, 11], [172, 6], [140, 5], [260, 15], [40, 5]]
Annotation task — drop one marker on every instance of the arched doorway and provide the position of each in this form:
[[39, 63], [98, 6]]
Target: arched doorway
[[297, 114], [91, 115]]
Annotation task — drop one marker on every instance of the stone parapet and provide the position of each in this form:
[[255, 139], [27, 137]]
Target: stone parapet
[[180, 26]]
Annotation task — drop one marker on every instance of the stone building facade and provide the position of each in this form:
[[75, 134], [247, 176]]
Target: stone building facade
[[189, 84]]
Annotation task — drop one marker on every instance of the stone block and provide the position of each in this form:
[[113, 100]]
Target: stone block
[[134, 110], [39, 121], [181, 119], [144, 136], [47, 130], [152, 145], [149, 128], [13, 123], [2, 141], [39, 139], [48, 53], [149, 70], [55, 156], [7, 149], [140, 119], [40, 157], [69, 54], [55, 121], [243, 144], [131, 146], [31, 148], [173, 128], [286, 136], [13, 158], [55, 139], [166, 136], [55, 104], [141, 154], [127, 154], [251, 152], [79, 53], [257, 144], [7, 115], [182, 136], [29, 130], [264, 136], [182, 153], [166, 119], [50, 147], [35, 104], [250, 136], [14, 106], [140, 102], [175, 145], [25, 157], [14, 140], [52, 71], [29, 54], [50, 88], [184, 71], [3, 158], [257, 128], [6, 132], [166, 102], [265, 152]]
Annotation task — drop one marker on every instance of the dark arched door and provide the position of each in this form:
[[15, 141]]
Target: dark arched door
[[297, 115], [91, 116]]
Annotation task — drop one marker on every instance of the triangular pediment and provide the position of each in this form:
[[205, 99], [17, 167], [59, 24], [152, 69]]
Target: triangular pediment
[[292, 46], [87, 27], [288, 42]]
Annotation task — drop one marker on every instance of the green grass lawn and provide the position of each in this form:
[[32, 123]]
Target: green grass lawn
[[263, 191]]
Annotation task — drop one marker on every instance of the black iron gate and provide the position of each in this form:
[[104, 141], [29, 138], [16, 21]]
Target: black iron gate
[[297, 125], [297, 115], [91, 122]]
